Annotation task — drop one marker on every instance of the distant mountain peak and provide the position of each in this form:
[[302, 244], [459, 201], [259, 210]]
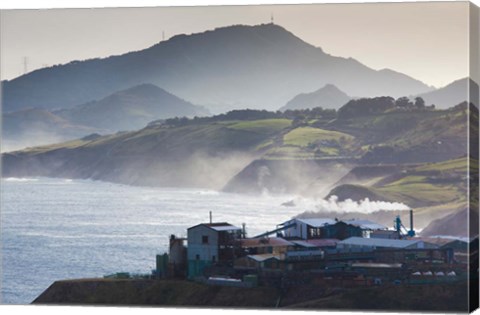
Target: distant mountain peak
[[144, 89], [238, 32], [453, 93], [328, 96]]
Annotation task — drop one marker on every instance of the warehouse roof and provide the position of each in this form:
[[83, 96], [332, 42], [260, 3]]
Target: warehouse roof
[[366, 224], [304, 244], [379, 242], [323, 242], [265, 242], [317, 222], [264, 257], [221, 226]]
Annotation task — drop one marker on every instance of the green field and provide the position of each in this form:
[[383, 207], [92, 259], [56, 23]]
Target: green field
[[304, 136], [264, 126], [457, 165], [288, 153]]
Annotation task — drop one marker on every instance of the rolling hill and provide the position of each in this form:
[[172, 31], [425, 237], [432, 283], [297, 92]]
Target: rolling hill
[[128, 109], [328, 96], [384, 156], [238, 66], [131, 109], [183, 152], [454, 93], [33, 127]]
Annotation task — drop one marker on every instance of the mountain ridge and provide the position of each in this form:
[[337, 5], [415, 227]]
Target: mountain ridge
[[240, 66]]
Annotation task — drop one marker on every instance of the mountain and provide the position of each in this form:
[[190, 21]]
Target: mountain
[[128, 109], [238, 66], [328, 96], [131, 109], [455, 224], [33, 127], [452, 94]]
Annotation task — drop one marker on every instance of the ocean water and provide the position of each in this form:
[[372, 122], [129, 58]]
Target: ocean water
[[54, 229]]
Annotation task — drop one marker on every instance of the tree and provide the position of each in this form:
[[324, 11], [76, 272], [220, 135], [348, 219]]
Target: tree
[[419, 102], [403, 102]]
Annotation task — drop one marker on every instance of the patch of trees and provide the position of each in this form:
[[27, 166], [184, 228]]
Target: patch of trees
[[379, 105], [366, 106], [298, 116]]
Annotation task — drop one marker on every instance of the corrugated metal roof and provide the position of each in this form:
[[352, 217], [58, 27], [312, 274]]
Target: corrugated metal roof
[[221, 226], [378, 242], [324, 242], [263, 257], [225, 228], [366, 224], [265, 242], [376, 265], [317, 222], [304, 244]]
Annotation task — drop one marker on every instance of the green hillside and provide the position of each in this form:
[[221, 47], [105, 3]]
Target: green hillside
[[414, 156], [212, 151]]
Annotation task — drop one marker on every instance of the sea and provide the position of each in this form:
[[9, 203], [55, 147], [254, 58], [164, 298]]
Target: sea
[[56, 229]]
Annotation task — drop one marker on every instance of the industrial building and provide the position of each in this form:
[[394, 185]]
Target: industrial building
[[318, 228], [315, 249], [209, 244], [360, 243]]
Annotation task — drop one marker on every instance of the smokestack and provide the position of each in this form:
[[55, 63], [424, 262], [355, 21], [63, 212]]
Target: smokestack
[[411, 220], [411, 233], [210, 217], [244, 230]]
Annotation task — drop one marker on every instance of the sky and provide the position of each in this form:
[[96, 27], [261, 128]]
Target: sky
[[428, 41]]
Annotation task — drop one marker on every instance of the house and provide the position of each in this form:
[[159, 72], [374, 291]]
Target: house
[[210, 244]]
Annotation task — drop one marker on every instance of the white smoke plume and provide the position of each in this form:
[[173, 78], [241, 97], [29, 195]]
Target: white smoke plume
[[363, 206]]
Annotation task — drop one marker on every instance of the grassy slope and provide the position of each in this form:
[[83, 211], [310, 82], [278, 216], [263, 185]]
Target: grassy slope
[[144, 153], [304, 136], [433, 190]]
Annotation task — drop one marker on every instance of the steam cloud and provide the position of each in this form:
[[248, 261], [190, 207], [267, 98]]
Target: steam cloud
[[363, 206]]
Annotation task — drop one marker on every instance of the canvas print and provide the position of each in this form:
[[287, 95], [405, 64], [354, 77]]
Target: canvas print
[[309, 156]]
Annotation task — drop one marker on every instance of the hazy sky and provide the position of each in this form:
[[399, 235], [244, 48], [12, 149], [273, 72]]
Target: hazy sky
[[428, 41]]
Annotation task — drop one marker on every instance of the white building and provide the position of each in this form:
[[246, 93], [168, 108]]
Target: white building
[[209, 243]]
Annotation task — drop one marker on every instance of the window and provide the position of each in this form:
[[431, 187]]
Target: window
[[214, 259], [197, 257], [205, 239]]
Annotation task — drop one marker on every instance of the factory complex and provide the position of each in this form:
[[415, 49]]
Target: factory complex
[[313, 250]]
